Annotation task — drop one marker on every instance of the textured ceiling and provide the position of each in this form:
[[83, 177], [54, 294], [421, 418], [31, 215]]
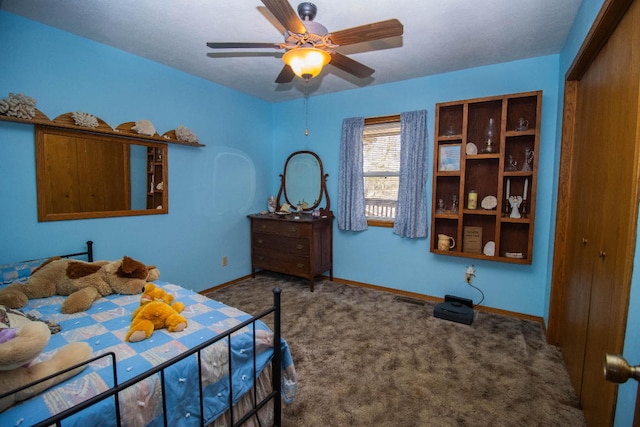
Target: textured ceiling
[[439, 36]]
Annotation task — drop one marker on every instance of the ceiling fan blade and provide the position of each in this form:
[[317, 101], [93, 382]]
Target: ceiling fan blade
[[232, 45], [363, 33], [285, 14], [351, 66], [286, 75]]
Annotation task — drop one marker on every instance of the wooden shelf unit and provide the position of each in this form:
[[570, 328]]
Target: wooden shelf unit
[[460, 123], [155, 176]]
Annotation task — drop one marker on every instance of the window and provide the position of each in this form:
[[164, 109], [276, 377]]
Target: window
[[381, 169]]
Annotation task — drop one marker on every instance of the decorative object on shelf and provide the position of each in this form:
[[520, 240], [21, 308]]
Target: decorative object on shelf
[[472, 240], [528, 159], [489, 249], [490, 136], [19, 106], [514, 202], [522, 124], [144, 127], [472, 200], [185, 135], [450, 131], [85, 120], [524, 205], [489, 203], [272, 204], [440, 208], [507, 210], [512, 164], [450, 157], [445, 242], [471, 149], [513, 254], [454, 204]]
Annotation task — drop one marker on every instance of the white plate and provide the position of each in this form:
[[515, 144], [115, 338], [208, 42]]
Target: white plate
[[489, 202], [471, 148], [489, 249]]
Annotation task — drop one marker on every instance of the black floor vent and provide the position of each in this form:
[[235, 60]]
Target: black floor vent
[[409, 300]]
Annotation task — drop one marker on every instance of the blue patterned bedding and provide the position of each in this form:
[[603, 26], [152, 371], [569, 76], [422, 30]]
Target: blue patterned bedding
[[104, 327]]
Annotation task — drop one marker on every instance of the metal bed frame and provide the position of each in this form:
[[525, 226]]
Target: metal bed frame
[[112, 392]]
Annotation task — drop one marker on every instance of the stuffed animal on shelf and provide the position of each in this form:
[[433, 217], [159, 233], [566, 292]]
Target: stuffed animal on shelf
[[82, 282], [157, 310], [21, 341]]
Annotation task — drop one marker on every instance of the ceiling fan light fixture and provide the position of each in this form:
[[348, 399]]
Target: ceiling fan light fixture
[[306, 62]]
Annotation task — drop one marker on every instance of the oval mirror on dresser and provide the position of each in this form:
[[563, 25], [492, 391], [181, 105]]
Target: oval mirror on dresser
[[297, 239]]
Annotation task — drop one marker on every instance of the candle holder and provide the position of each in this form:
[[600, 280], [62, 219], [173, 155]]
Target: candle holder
[[524, 209], [506, 210]]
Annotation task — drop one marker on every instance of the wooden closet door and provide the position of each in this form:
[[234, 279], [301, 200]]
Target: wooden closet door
[[613, 80], [602, 217]]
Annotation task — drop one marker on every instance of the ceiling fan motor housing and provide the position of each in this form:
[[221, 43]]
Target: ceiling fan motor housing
[[307, 11]]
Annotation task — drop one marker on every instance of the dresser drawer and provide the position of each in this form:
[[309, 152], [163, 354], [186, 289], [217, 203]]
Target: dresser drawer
[[280, 261], [282, 228], [274, 242]]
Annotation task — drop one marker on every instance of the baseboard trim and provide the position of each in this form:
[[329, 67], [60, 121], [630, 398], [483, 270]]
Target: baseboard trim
[[400, 292]]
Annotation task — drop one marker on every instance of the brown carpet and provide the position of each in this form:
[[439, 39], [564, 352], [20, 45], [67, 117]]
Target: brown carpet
[[367, 358]]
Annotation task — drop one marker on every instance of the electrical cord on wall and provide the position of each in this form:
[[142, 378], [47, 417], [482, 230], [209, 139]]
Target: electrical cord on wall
[[468, 277]]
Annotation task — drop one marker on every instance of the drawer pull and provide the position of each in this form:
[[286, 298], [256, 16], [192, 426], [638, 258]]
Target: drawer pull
[[299, 265], [263, 226], [260, 241], [294, 229], [261, 258], [299, 246]]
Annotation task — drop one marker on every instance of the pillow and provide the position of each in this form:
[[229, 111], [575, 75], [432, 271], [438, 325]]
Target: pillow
[[18, 271]]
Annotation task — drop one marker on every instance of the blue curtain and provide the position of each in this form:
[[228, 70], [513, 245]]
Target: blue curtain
[[411, 210], [351, 215]]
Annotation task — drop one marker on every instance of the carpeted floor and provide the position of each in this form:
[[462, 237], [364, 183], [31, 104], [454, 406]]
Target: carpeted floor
[[367, 358]]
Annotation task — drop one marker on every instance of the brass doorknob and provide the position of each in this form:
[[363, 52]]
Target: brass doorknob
[[585, 240], [617, 370], [602, 255]]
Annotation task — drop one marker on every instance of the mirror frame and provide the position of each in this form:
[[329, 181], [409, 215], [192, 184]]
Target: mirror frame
[[45, 196], [323, 185]]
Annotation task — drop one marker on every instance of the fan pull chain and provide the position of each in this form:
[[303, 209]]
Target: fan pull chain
[[306, 108]]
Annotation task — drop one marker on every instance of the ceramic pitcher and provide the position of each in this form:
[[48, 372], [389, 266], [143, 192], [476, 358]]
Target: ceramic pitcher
[[445, 242]]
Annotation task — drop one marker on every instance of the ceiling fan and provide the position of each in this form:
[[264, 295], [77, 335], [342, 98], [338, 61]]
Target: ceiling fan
[[309, 45]]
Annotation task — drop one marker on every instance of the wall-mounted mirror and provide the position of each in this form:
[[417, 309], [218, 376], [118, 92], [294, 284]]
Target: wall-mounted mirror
[[84, 175], [304, 182]]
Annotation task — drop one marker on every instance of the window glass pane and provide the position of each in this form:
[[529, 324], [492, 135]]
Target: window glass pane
[[381, 148], [381, 169]]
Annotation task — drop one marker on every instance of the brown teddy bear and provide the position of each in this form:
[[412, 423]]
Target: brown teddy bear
[[82, 282], [21, 341], [157, 310]]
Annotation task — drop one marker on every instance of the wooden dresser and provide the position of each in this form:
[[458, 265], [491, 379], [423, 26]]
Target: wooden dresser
[[300, 247]]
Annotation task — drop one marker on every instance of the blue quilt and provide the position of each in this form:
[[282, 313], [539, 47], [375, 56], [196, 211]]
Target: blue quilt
[[105, 325]]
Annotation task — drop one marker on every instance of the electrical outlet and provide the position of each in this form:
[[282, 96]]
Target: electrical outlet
[[224, 261]]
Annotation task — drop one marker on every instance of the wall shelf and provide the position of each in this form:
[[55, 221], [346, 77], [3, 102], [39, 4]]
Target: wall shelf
[[65, 121], [488, 173]]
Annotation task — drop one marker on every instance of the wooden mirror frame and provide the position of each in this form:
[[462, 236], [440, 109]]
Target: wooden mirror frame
[[323, 185], [100, 170]]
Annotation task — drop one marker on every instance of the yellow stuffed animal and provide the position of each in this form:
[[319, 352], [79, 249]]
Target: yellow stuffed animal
[[157, 310]]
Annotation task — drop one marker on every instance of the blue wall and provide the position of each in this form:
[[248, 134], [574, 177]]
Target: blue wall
[[378, 256], [211, 189]]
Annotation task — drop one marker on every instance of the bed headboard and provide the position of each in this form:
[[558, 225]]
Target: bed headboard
[[88, 252], [20, 271]]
